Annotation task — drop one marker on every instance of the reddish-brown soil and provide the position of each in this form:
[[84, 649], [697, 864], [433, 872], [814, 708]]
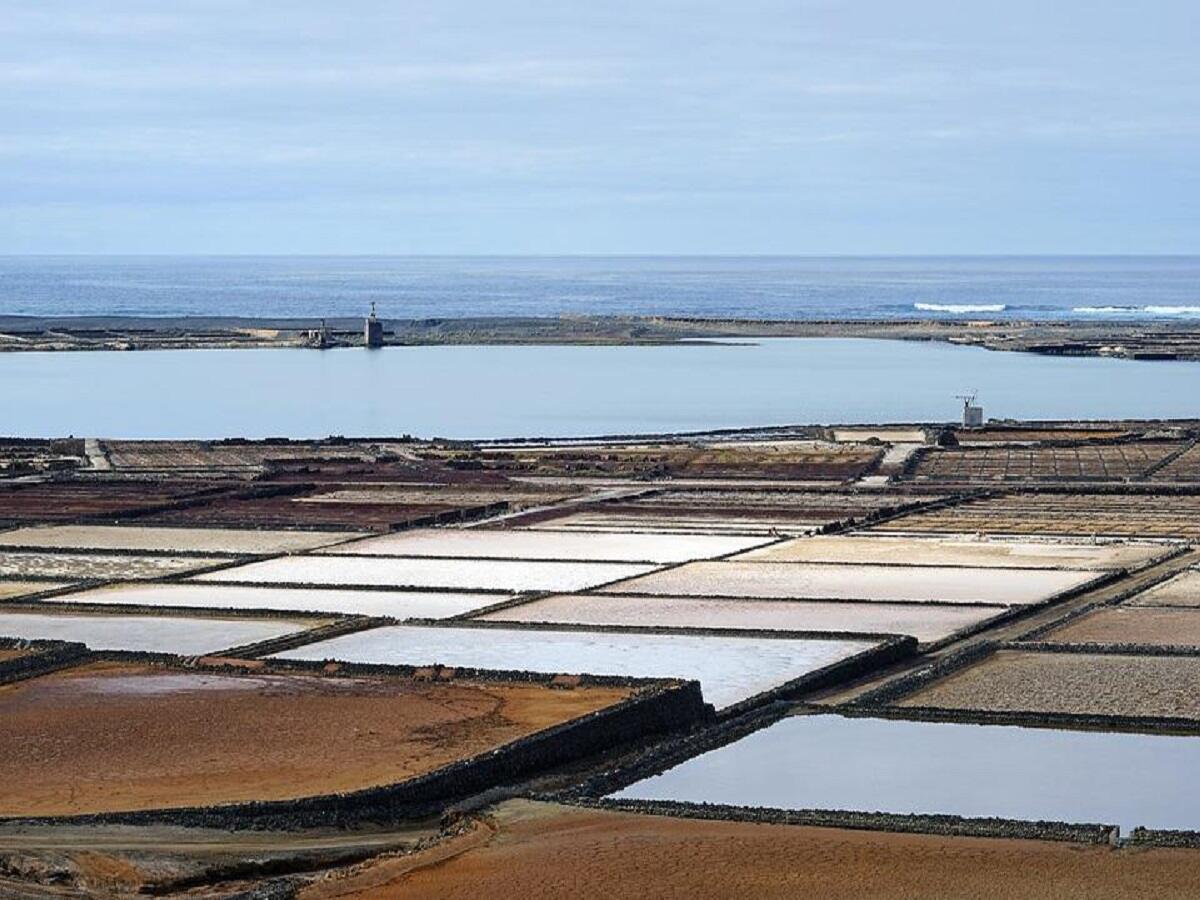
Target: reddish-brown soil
[[539, 851], [160, 455], [283, 512], [994, 435], [405, 470], [121, 737], [69, 500], [6, 655], [757, 460]]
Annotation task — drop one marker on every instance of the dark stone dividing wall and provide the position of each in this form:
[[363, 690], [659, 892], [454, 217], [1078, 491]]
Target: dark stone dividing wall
[[46, 656], [1088, 833]]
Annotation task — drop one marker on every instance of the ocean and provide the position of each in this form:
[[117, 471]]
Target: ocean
[[1034, 288]]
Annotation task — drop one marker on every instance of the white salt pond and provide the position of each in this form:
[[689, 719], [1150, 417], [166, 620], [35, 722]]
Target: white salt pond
[[398, 604], [958, 552], [457, 574], [196, 540], [729, 669], [520, 544], [635, 523], [850, 582], [925, 622], [892, 766], [160, 634]]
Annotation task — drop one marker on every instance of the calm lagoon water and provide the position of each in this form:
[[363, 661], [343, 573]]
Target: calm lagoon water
[[880, 765], [528, 391]]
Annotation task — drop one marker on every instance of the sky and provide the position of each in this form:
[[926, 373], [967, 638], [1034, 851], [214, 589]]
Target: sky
[[560, 127]]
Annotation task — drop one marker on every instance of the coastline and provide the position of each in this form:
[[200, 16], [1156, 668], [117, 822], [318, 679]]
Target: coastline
[[1119, 339]]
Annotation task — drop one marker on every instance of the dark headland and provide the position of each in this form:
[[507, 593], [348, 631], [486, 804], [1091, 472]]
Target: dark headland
[[1128, 339]]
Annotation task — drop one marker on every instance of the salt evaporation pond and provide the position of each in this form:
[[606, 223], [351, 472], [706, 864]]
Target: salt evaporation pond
[[933, 551], [529, 391], [836, 581], [521, 544], [154, 634], [33, 564], [193, 540], [459, 574], [729, 669], [893, 766], [924, 621], [398, 604]]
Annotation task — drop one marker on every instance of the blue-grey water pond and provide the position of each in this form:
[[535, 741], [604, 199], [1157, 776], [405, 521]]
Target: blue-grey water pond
[[891, 766], [513, 391]]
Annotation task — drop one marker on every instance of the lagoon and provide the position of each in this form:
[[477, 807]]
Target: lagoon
[[555, 391]]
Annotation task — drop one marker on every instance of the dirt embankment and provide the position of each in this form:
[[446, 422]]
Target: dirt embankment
[[540, 850]]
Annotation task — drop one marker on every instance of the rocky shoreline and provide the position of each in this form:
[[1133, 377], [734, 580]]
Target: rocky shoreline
[[1130, 340]]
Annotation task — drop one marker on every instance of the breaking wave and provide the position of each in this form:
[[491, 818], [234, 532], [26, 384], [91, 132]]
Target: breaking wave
[[961, 307]]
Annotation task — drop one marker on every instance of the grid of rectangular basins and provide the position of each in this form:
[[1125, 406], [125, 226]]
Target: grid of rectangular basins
[[1128, 515], [1184, 467], [1084, 462]]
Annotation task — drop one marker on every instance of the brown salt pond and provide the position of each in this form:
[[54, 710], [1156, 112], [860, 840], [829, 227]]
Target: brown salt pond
[[198, 540], [110, 737], [1182, 590], [96, 566], [833, 581], [1080, 683], [925, 622], [1158, 626], [12, 589], [952, 551]]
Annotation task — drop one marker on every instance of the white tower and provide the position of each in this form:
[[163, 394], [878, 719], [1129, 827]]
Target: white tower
[[972, 414]]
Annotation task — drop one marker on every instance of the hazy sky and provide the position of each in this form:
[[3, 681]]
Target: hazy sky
[[478, 126]]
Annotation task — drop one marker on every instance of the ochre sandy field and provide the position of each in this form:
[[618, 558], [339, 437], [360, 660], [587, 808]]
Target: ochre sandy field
[[10, 589], [538, 850], [121, 737], [6, 655], [1103, 684], [1134, 625], [1182, 590]]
